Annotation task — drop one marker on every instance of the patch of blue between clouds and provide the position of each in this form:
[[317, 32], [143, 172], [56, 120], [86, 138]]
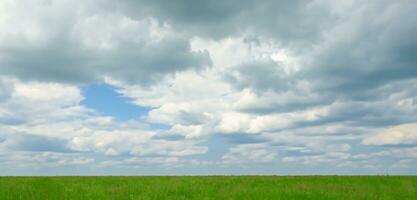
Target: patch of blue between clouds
[[107, 101], [217, 147], [159, 126]]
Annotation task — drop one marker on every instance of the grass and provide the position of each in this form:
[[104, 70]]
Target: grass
[[210, 187]]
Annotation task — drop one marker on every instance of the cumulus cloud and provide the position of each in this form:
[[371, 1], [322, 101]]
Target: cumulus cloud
[[88, 42], [249, 153], [221, 19], [401, 134], [47, 119], [226, 83]]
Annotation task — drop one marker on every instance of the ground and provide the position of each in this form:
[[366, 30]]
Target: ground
[[210, 187]]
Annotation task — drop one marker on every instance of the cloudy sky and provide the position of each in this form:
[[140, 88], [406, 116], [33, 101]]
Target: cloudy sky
[[131, 87]]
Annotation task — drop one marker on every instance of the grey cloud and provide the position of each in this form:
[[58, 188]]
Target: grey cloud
[[356, 53], [28, 142], [242, 138], [60, 61], [365, 58], [357, 64], [137, 63], [286, 20], [60, 52], [189, 118], [284, 102], [363, 54], [5, 90], [361, 114], [260, 76]]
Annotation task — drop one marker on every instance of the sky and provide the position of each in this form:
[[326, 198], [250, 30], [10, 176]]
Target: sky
[[204, 87]]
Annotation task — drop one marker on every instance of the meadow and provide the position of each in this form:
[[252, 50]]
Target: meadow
[[210, 187]]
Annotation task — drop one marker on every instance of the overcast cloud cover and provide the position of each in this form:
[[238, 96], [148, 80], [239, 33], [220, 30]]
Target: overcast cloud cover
[[223, 87]]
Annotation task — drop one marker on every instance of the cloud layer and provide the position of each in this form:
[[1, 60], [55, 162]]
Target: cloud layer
[[232, 87]]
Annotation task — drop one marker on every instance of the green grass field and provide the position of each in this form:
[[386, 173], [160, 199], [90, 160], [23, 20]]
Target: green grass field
[[210, 187]]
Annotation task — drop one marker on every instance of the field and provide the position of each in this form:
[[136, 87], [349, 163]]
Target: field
[[210, 187]]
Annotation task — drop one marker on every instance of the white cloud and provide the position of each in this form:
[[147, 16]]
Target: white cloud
[[249, 153], [401, 134], [325, 84], [83, 42], [36, 160], [48, 113]]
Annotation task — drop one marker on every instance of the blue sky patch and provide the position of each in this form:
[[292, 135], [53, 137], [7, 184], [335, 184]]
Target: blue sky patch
[[106, 100]]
